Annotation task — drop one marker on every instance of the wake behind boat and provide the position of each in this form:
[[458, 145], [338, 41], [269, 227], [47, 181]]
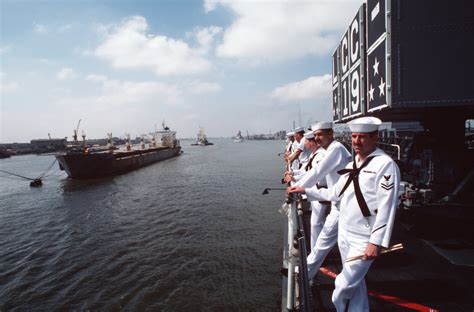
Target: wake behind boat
[[85, 162]]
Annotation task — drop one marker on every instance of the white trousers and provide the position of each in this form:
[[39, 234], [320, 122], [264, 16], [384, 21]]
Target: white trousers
[[318, 216], [326, 240], [350, 284]]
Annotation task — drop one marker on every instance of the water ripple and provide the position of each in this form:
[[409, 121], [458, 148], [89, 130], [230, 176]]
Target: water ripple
[[191, 233]]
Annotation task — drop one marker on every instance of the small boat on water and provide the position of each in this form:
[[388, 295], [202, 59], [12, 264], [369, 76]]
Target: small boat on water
[[84, 162], [201, 139], [239, 138]]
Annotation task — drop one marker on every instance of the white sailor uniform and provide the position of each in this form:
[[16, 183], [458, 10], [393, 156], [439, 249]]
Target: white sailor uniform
[[378, 179], [296, 163], [318, 209], [289, 148], [336, 158], [305, 154]]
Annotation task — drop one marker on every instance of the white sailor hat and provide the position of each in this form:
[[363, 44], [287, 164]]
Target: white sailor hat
[[309, 135], [364, 124], [291, 133], [299, 129], [321, 125]]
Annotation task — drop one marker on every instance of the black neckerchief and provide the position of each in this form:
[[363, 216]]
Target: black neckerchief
[[309, 165], [354, 177]]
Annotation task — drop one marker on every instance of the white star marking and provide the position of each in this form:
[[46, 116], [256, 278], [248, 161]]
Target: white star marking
[[376, 67], [371, 93], [382, 87]]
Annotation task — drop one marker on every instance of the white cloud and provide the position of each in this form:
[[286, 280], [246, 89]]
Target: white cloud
[[312, 88], [5, 49], [129, 46], [124, 105], [116, 93], [267, 31], [210, 5], [40, 28], [205, 37], [8, 86], [201, 87], [96, 78], [64, 28], [66, 73]]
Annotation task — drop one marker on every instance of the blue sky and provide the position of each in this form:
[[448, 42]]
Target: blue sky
[[124, 66]]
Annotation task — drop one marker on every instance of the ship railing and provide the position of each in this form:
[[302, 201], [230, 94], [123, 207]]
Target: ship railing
[[297, 294], [392, 145]]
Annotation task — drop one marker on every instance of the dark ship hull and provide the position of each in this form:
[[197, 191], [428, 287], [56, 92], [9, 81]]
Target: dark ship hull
[[5, 154], [95, 165]]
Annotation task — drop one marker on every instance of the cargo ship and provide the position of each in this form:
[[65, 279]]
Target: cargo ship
[[408, 63], [83, 162]]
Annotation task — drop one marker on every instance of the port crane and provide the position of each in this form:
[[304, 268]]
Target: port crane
[[76, 130]]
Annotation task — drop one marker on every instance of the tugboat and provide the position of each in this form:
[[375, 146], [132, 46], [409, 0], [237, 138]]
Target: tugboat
[[239, 138], [201, 139], [82, 163]]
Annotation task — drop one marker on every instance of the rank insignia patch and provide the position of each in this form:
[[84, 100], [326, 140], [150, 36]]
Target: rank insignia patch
[[386, 184]]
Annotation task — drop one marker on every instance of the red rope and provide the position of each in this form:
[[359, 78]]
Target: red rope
[[391, 299]]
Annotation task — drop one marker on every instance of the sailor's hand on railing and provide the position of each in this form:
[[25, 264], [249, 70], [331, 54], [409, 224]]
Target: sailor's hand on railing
[[295, 189]]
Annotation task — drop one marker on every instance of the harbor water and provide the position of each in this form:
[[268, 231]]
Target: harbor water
[[192, 233]]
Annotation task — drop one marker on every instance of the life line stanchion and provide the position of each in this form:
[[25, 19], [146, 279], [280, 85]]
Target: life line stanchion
[[292, 227], [305, 289]]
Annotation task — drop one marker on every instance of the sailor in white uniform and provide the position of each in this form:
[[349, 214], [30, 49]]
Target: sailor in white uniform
[[290, 138], [318, 208], [368, 195], [336, 158], [300, 153]]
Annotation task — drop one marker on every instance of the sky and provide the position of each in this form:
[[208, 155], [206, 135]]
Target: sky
[[126, 66]]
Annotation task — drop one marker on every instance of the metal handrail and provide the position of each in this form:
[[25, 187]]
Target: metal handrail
[[297, 293], [394, 145]]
